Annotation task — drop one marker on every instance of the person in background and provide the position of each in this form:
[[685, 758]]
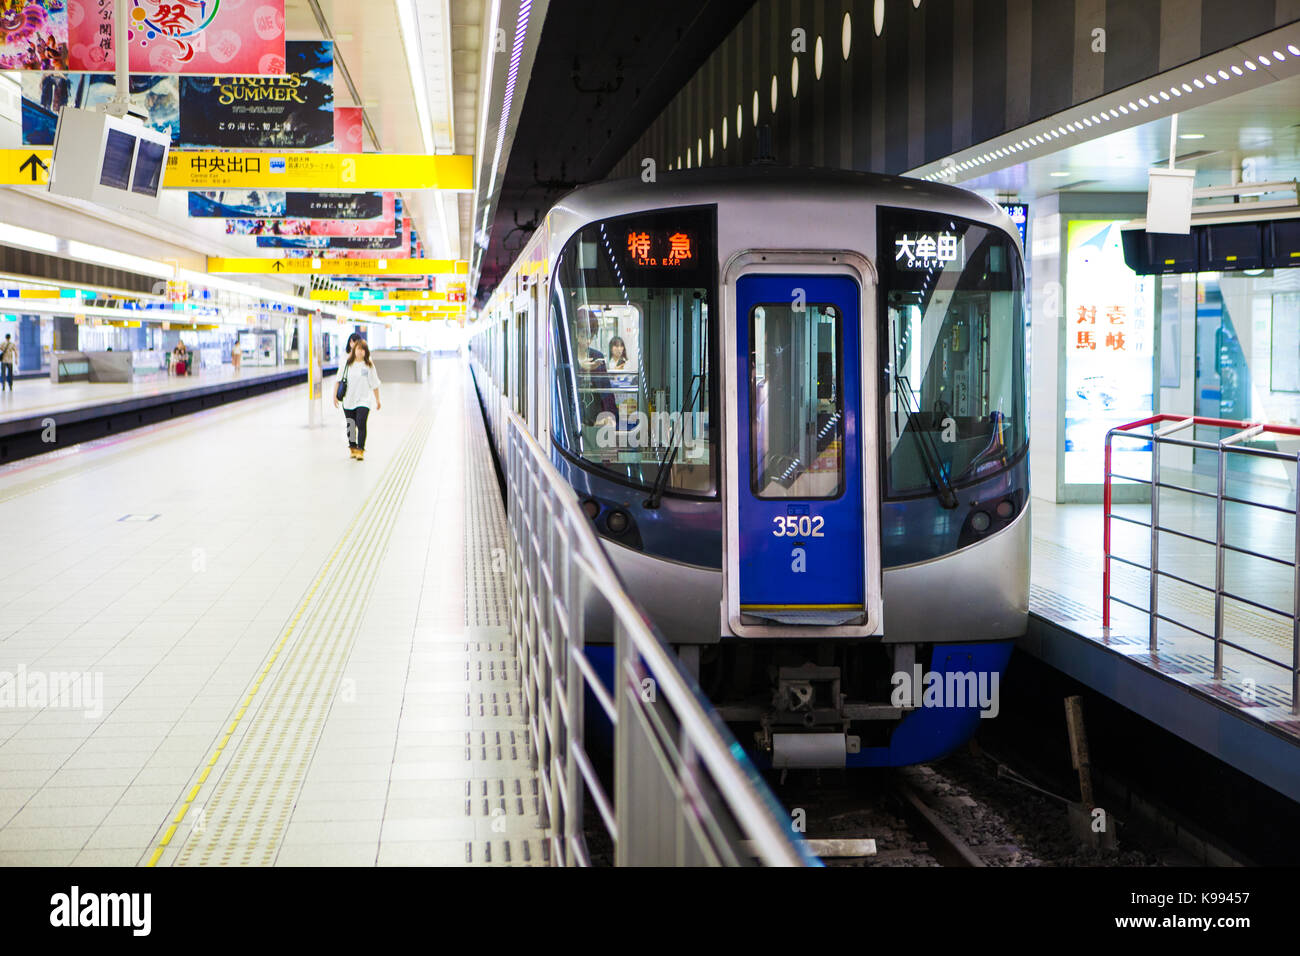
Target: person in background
[[617, 362], [8, 358], [180, 359], [362, 382]]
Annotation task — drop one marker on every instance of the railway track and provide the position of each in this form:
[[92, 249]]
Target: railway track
[[910, 817]]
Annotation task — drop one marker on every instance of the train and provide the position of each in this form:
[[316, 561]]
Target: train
[[793, 404]]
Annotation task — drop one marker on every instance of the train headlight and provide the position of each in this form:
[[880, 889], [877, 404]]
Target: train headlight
[[590, 508], [1005, 509], [980, 522], [616, 522]]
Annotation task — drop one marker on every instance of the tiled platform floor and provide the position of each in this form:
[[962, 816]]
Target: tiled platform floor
[[282, 663]]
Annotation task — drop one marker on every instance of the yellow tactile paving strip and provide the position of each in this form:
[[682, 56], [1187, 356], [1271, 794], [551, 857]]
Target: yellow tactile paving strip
[[239, 817]]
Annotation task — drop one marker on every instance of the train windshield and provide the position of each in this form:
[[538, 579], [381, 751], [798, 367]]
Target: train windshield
[[631, 340], [953, 344]]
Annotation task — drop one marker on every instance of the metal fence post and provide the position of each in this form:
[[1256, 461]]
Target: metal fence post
[[1295, 603], [1219, 536], [1105, 538], [575, 739], [1153, 598]]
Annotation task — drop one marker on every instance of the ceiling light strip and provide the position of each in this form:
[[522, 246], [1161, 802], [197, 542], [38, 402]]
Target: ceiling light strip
[[1205, 81]]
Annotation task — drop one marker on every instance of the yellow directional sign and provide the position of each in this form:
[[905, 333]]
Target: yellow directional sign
[[203, 169], [25, 167], [214, 169], [339, 267]]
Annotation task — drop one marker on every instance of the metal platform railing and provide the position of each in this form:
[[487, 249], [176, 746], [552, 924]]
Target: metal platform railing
[[684, 792], [1224, 447]]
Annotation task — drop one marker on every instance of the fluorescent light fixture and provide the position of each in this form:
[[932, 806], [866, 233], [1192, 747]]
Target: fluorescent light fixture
[[117, 260], [1061, 172], [1191, 136], [406, 16], [28, 239]]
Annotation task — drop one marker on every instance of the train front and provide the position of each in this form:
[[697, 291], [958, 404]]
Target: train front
[[843, 548]]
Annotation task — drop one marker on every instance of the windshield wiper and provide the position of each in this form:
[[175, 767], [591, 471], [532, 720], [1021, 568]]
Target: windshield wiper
[[925, 444], [665, 464]]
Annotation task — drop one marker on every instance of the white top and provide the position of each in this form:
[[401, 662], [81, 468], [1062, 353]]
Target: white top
[[363, 379]]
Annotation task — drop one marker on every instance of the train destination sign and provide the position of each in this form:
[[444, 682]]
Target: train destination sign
[[926, 250]]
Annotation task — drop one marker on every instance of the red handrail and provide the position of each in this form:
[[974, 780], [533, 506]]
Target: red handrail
[[1106, 498]]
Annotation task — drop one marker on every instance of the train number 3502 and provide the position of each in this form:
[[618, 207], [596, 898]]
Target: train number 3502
[[798, 526]]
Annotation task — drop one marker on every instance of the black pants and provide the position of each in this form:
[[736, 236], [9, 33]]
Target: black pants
[[6, 375], [357, 426]]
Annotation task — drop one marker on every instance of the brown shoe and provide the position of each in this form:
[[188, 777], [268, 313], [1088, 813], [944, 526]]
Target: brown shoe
[[352, 452], [361, 454]]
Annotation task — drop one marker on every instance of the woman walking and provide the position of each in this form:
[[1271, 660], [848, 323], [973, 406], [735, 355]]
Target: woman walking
[[360, 382]]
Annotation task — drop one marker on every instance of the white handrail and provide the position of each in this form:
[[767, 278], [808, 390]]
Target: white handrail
[[672, 744]]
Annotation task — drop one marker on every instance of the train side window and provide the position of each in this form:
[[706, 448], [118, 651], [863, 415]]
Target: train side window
[[796, 401]]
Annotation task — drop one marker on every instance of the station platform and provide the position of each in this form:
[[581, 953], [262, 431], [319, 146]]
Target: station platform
[[1246, 719], [40, 396], [84, 411], [268, 653]]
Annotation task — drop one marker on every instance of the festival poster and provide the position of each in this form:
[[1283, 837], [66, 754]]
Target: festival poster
[[33, 35], [203, 37], [349, 129], [44, 94], [278, 204], [293, 111]]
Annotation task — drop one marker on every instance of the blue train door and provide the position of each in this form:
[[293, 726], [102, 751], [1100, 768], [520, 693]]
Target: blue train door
[[798, 480]]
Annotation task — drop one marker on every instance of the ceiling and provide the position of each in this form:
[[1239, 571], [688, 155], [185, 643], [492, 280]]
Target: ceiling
[[600, 74]]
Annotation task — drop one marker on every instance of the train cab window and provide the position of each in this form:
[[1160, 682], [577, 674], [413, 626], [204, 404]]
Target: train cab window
[[631, 340], [796, 402], [952, 342]]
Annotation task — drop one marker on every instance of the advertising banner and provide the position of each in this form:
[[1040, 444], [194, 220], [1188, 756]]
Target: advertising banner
[[384, 225], [293, 111], [203, 37], [33, 35], [336, 246], [277, 204], [44, 94], [1109, 348]]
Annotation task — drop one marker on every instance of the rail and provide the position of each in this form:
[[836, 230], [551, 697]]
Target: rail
[[1224, 447], [683, 790]]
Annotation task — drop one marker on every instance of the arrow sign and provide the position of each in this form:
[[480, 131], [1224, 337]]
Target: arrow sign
[[34, 162]]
